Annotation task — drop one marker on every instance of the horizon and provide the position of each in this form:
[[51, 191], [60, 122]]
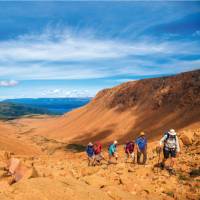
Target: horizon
[[72, 50]]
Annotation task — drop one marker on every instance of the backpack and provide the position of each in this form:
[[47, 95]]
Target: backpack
[[167, 134], [166, 140], [98, 147], [129, 147], [112, 148], [141, 142], [90, 150]]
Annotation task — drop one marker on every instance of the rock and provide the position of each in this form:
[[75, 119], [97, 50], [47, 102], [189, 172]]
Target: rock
[[97, 181], [181, 143], [13, 165], [130, 170], [89, 171], [33, 173], [2, 173], [104, 166], [187, 138], [119, 172], [192, 196]]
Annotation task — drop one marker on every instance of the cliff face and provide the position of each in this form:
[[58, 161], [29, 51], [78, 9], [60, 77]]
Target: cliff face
[[178, 91], [151, 105]]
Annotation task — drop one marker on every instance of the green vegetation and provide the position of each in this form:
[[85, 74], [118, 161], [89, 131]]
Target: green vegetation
[[183, 177], [75, 147], [195, 172], [10, 111], [169, 193]]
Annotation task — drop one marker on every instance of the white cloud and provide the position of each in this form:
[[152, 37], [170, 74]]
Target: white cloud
[[66, 93], [8, 83], [64, 46], [63, 54]]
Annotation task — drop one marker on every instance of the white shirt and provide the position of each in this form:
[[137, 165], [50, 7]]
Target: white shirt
[[171, 143]]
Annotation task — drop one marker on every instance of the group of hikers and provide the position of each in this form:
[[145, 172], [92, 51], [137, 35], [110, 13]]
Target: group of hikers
[[135, 149]]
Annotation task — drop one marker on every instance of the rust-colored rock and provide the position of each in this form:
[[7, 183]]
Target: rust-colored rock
[[187, 138]]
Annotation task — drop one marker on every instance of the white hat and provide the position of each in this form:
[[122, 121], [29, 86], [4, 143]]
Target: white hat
[[90, 144], [115, 142], [172, 132]]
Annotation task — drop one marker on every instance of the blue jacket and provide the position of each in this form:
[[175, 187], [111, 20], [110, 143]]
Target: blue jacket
[[141, 142], [90, 151]]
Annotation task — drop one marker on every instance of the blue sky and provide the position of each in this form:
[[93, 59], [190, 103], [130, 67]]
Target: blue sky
[[75, 49]]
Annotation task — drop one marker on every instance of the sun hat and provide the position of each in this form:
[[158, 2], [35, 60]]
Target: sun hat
[[142, 133], [90, 144], [115, 142]]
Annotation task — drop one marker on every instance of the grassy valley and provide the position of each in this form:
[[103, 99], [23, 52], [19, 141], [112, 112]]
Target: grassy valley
[[13, 111]]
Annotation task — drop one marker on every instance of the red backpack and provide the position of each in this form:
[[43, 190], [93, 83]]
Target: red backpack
[[97, 148], [129, 147]]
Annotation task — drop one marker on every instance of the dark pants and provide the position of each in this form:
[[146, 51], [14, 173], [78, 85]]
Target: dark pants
[[169, 153], [144, 155]]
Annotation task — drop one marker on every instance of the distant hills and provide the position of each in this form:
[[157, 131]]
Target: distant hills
[[13, 111], [13, 108]]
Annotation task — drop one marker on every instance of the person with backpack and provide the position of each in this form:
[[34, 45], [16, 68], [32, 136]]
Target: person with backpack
[[171, 147], [90, 154], [141, 146], [98, 152], [112, 150], [129, 150]]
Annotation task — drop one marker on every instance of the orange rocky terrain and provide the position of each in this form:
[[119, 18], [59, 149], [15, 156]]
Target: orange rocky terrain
[[48, 147], [9, 141], [64, 175]]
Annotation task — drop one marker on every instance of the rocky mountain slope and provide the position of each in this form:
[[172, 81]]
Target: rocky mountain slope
[[46, 145], [150, 105], [65, 175]]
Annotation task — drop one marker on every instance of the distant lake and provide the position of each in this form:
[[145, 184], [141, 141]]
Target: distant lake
[[56, 106]]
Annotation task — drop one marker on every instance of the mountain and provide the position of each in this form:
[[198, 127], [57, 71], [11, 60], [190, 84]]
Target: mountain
[[53, 105], [151, 105], [13, 110]]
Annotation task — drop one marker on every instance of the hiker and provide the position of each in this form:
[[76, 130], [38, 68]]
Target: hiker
[[90, 154], [112, 150], [141, 146], [129, 150], [170, 148], [98, 153]]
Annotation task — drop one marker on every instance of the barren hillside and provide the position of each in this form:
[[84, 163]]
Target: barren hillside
[[52, 171], [9, 141], [150, 105]]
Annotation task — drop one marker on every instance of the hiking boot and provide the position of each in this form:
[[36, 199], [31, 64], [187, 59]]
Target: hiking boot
[[172, 171], [162, 166]]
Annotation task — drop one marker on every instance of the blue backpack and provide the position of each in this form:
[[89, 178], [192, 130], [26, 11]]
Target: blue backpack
[[90, 151], [141, 142]]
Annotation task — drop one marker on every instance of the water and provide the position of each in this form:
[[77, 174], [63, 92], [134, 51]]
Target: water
[[55, 106]]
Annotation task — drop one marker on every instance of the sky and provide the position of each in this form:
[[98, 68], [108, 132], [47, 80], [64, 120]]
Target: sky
[[76, 48]]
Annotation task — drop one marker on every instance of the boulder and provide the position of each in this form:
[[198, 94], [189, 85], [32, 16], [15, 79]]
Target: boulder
[[187, 138], [13, 165]]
